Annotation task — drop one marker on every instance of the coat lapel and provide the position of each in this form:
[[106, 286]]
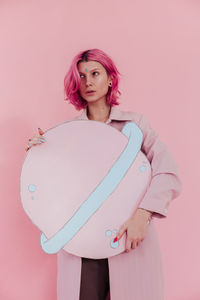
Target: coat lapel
[[115, 115]]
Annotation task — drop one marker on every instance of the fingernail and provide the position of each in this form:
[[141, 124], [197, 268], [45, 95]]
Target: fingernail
[[115, 240], [40, 131]]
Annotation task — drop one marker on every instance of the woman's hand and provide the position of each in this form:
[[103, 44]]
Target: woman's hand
[[36, 139], [135, 228]]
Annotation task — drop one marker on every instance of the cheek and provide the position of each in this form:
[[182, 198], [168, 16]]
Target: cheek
[[81, 87], [81, 84], [102, 84]]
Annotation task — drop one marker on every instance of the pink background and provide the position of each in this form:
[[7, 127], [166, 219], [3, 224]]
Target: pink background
[[155, 45]]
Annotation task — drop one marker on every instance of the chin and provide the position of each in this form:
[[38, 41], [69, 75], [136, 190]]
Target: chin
[[92, 99], [95, 99]]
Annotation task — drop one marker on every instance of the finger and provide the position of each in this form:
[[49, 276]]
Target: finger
[[32, 142], [121, 231], [28, 146], [41, 132], [135, 244], [35, 140], [128, 245], [42, 139]]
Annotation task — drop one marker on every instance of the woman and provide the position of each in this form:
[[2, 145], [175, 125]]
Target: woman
[[91, 84]]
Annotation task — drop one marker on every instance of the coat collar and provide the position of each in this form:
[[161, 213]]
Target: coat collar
[[115, 114]]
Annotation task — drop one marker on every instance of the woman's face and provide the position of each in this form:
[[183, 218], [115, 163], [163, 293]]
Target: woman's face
[[93, 76]]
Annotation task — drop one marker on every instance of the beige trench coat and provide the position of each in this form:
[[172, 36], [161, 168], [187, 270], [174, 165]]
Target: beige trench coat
[[137, 275]]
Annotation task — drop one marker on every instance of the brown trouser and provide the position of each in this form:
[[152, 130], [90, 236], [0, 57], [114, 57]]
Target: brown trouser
[[94, 279]]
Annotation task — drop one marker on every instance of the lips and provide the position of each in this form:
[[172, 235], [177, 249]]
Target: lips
[[88, 92]]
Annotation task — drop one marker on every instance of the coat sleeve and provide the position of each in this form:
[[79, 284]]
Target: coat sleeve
[[165, 184]]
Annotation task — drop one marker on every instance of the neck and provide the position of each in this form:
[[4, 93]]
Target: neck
[[98, 112]]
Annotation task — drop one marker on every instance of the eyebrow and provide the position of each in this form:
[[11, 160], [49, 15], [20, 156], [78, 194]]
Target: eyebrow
[[90, 70]]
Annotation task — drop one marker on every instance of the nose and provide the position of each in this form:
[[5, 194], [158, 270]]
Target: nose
[[88, 81]]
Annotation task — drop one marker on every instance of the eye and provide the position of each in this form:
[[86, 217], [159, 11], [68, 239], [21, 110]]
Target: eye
[[92, 73]]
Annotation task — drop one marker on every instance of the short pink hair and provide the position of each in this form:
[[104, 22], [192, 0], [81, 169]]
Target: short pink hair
[[72, 78]]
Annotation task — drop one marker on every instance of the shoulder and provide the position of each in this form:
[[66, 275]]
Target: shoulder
[[134, 116], [142, 121]]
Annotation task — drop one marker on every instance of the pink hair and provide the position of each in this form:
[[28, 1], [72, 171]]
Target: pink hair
[[72, 78]]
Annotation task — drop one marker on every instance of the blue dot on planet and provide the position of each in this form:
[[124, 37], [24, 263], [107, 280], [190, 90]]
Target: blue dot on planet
[[114, 245], [32, 187], [108, 232], [143, 168]]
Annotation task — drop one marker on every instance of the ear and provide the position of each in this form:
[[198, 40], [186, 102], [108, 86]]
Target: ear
[[110, 78]]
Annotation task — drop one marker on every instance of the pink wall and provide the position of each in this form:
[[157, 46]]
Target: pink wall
[[156, 46]]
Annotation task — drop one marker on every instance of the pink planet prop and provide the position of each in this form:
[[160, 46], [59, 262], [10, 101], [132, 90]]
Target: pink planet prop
[[82, 184]]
